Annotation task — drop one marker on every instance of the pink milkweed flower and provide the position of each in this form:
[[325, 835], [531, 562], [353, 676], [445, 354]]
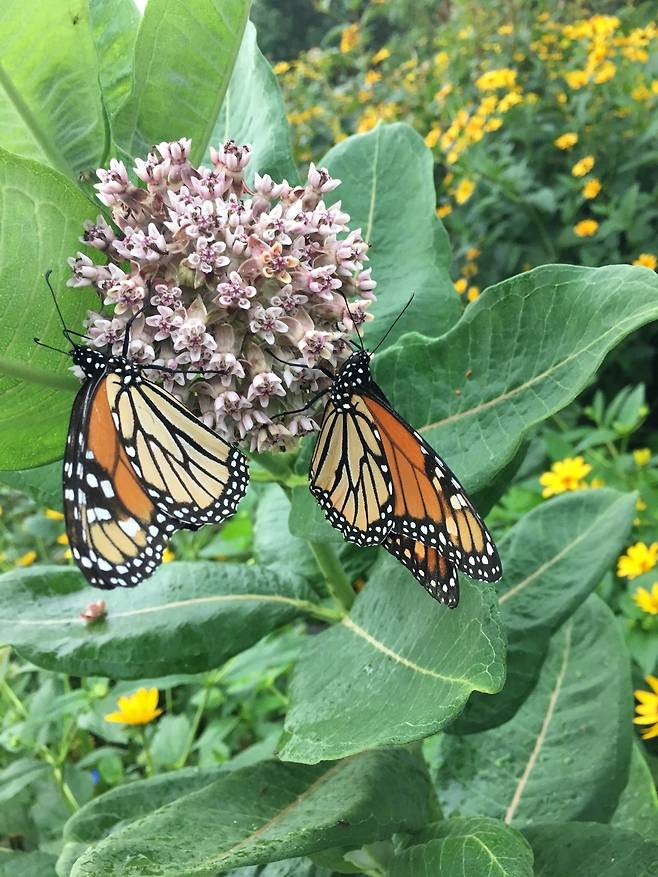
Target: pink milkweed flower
[[239, 289]]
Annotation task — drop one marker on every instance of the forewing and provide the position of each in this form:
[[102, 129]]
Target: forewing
[[429, 503], [434, 572], [115, 532], [189, 472], [349, 476]]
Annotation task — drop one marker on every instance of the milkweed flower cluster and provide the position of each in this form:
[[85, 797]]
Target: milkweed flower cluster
[[227, 279]]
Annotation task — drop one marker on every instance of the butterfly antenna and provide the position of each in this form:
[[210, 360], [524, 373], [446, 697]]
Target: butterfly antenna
[[356, 328], [392, 326], [126, 334], [49, 347], [46, 277]]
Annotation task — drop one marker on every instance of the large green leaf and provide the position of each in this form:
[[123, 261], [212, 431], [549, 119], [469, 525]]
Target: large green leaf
[[553, 559], [50, 99], [36, 864], [274, 543], [253, 113], [187, 618], [44, 483], [114, 28], [582, 849], [566, 753], [637, 809], [466, 848], [388, 190], [184, 54], [521, 352], [41, 215], [266, 812], [402, 668]]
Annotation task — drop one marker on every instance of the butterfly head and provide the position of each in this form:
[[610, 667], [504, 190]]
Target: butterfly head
[[92, 362], [353, 376]]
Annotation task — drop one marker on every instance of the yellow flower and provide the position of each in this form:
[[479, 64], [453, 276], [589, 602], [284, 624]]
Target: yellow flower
[[510, 100], [567, 474], [444, 91], [63, 539], [441, 59], [642, 456], [504, 77], [639, 558], [597, 482], [473, 293], [576, 78], [472, 253], [605, 73], [460, 285], [647, 600], [68, 554], [586, 228], [647, 708], [372, 76], [641, 505], [280, 67], [591, 188], [464, 190], [561, 97], [168, 555], [443, 210], [493, 124], [349, 38], [505, 30], [584, 166], [646, 260], [567, 140], [640, 92], [27, 559], [432, 137], [380, 55], [139, 708], [53, 515]]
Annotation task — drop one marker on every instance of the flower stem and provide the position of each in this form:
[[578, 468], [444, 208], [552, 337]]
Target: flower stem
[[196, 721], [331, 568], [150, 769]]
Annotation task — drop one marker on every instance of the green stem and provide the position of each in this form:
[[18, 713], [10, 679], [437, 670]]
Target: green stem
[[331, 568], [196, 721], [38, 376], [65, 789], [150, 768], [13, 698], [169, 700]]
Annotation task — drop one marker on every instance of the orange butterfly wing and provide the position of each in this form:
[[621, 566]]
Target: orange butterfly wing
[[434, 572], [429, 503]]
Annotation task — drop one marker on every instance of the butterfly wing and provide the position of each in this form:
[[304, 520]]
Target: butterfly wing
[[349, 474], [434, 572], [430, 505], [188, 471], [116, 533]]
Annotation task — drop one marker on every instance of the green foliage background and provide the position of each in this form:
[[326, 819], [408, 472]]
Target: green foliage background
[[313, 728]]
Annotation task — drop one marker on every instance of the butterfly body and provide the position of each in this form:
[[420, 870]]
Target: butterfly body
[[379, 482], [137, 467]]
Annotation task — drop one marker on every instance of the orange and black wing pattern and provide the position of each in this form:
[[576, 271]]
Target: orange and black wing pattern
[[434, 572], [429, 503], [380, 483], [116, 533], [139, 466], [349, 475]]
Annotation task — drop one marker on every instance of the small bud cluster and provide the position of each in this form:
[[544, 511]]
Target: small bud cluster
[[227, 280]]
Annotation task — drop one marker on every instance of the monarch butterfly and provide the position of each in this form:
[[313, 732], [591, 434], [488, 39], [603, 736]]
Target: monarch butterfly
[[379, 482], [137, 467]]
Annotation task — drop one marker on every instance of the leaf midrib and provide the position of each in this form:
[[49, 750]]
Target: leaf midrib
[[508, 394]]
